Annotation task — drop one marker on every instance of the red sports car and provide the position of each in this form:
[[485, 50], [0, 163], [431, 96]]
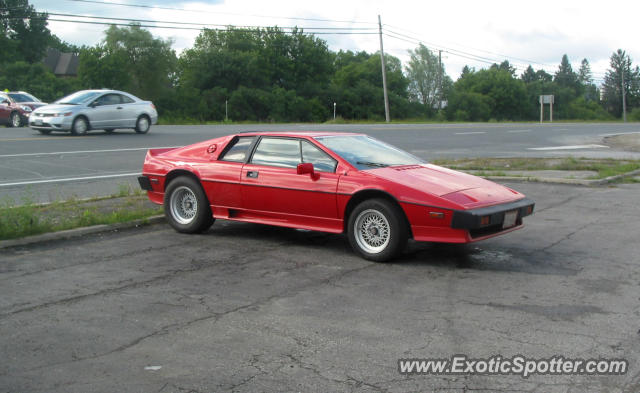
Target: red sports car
[[377, 194]]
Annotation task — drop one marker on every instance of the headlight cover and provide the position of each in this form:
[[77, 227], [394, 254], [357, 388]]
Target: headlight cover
[[26, 108]]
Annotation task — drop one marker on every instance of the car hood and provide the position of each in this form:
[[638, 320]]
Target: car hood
[[57, 108], [463, 189], [32, 105]]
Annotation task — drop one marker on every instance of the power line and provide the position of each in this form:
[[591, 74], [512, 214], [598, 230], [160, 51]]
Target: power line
[[229, 27], [206, 24], [218, 13]]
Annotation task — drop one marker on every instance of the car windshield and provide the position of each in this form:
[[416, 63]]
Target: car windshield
[[78, 97], [364, 152], [23, 97]]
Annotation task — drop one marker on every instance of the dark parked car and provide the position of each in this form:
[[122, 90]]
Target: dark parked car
[[16, 108]]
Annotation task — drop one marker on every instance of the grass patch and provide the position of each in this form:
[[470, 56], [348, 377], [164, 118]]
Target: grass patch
[[603, 167], [32, 219]]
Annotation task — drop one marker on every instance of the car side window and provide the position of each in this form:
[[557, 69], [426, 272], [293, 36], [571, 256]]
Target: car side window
[[238, 150], [125, 99], [280, 152], [108, 99], [321, 161]]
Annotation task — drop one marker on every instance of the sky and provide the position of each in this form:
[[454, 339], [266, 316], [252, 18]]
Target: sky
[[473, 33]]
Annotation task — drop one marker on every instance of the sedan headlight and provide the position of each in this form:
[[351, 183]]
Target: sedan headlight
[[26, 108]]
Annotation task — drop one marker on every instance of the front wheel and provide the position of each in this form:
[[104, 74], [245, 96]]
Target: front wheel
[[80, 126], [16, 120], [377, 230], [142, 125], [186, 206]]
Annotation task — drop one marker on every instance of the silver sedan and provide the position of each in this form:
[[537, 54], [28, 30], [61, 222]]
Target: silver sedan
[[95, 110]]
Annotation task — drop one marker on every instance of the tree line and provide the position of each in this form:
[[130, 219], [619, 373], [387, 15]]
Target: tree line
[[270, 75]]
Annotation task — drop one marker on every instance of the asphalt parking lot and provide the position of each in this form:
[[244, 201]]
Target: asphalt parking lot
[[249, 308]]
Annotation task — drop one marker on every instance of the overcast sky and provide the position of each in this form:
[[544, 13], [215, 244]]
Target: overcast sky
[[533, 32]]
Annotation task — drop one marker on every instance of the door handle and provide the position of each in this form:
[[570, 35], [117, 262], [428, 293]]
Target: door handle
[[119, 107], [252, 174]]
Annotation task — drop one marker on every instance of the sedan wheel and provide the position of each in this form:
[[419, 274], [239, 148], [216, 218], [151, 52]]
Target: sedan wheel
[[79, 126], [377, 230], [16, 121], [186, 206], [142, 125]]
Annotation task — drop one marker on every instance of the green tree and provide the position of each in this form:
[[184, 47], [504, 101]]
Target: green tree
[[505, 96], [620, 67], [23, 31], [426, 78], [131, 59]]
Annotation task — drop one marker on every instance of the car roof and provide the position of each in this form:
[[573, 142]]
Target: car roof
[[311, 134]]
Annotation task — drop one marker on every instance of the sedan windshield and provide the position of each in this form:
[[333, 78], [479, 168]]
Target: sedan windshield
[[78, 97], [23, 97], [364, 152]]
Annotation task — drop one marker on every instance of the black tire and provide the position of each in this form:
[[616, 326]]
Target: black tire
[[143, 124], [15, 120], [45, 132], [377, 230], [80, 126], [186, 206]]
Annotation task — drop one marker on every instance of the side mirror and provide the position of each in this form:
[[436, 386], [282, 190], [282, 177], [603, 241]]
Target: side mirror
[[307, 167], [93, 104]]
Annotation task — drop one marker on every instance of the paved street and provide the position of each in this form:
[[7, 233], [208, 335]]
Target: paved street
[[58, 166], [248, 308]]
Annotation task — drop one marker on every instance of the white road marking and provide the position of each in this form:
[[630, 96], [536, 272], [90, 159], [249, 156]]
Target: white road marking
[[85, 151], [620, 133], [470, 133], [30, 182], [569, 147], [518, 131]]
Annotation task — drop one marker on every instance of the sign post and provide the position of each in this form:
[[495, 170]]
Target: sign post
[[546, 99]]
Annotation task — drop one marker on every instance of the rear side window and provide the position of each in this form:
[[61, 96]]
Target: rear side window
[[126, 100], [238, 150]]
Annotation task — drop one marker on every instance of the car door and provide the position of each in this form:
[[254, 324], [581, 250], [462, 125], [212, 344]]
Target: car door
[[129, 112], [5, 109], [273, 189], [105, 111]]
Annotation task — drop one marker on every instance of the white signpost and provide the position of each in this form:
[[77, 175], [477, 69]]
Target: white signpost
[[546, 99]]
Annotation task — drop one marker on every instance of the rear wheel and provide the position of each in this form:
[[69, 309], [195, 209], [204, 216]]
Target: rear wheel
[[80, 126], [143, 124], [377, 230], [16, 120], [186, 206]]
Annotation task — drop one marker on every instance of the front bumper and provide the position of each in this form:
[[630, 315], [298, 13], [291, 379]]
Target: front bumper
[[486, 221], [53, 123]]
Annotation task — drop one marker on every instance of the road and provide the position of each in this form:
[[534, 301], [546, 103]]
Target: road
[[250, 308], [59, 166]]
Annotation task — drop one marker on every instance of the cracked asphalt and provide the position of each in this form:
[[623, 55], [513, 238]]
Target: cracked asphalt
[[250, 308]]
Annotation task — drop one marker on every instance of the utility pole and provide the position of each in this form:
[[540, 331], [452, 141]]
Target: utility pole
[[624, 99], [384, 74], [439, 79]]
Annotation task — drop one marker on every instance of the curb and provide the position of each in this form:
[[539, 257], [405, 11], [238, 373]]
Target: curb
[[575, 182], [78, 232]]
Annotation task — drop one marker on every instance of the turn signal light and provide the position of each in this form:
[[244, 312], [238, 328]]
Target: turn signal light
[[436, 215], [529, 210], [485, 220]]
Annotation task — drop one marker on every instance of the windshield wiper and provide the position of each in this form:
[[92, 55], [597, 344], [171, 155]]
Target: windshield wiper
[[374, 164], [66, 103]]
